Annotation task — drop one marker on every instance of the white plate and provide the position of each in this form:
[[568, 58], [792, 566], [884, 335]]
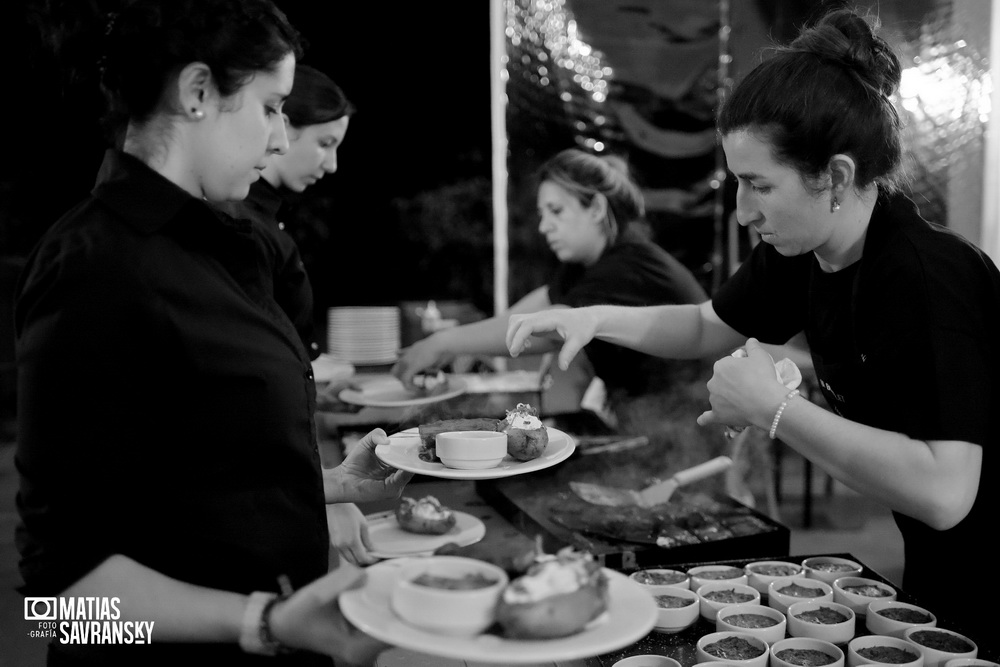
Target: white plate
[[391, 541], [386, 391], [404, 452], [631, 615]]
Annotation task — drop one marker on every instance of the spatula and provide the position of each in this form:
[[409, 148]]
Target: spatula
[[656, 494]]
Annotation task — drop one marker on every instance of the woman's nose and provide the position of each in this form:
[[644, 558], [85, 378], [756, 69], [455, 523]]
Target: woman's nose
[[278, 141], [330, 161], [746, 212], [544, 223]]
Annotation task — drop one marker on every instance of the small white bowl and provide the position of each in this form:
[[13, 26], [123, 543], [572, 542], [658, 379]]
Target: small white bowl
[[716, 663], [835, 633], [447, 611], [761, 573], [471, 450], [781, 601], [730, 619], [970, 662], [936, 657], [830, 568], [703, 574], [659, 576], [675, 619], [739, 594], [879, 624], [806, 644], [649, 660], [857, 601], [758, 660], [855, 659]]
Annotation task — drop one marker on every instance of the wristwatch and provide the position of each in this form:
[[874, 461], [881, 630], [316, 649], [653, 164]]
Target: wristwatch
[[255, 631]]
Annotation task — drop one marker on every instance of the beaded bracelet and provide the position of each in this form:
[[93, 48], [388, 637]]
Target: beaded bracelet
[[781, 408]]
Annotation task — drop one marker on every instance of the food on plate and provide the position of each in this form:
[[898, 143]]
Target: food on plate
[[806, 657], [942, 641], [426, 516], [832, 567], [430, 383], [904, 615], [467, 582], [868, 590], [774, 570], [429, 431], [797, 591], [732, 596], [734, 648], [659, 577], [889, 654], [823, 616], [721, 574], [751, 620], [672, 601], [526, 435], [557, 596]]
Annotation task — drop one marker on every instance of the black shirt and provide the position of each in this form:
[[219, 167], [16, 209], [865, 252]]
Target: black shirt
[[266, 209], [165, 403], [632, 272], [905, 340]]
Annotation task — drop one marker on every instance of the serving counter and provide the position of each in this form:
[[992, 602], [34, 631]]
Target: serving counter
[[507, 538]]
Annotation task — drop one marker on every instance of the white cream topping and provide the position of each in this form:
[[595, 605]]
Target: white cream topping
[[521, 417], [547, 577], [429, 508]]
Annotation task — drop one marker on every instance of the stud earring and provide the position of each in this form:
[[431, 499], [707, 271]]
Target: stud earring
[[198, 113], [834, 205]]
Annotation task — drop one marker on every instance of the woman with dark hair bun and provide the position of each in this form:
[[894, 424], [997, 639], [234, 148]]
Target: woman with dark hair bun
[[902, 316], [183, 485], [592, 215]]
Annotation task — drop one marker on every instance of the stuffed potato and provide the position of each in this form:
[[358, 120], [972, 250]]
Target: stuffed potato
[[426, 516], [558, 596], [527, 437]]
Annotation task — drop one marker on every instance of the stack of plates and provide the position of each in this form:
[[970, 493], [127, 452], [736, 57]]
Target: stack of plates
[[363, 335]]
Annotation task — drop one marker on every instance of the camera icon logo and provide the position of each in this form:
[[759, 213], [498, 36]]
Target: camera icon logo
[[40, 609]]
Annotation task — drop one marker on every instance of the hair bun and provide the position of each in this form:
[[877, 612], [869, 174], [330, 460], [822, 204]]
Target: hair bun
[[851, 40]]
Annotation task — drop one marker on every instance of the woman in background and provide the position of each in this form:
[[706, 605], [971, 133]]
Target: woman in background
[[902, 316], [185, 480], [317, 115], [591, 213]]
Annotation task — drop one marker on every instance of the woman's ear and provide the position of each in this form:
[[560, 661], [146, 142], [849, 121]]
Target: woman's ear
[[842, 173], [599, 206], [195, 89]]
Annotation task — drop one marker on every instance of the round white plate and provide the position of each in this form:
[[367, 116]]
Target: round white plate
[[386, 391], [404, 450], [631, 615], [391, 541]]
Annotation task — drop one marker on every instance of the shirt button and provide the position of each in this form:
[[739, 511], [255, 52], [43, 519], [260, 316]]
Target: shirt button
[[281, 226]]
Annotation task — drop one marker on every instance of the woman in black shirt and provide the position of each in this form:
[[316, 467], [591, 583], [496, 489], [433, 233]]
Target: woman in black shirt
[[185, 480], [901, 315]]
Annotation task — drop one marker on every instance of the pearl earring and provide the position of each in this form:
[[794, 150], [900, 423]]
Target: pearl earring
[[834, 205]]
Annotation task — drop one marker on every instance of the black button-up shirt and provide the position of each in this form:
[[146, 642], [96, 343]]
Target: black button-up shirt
[[165, 401]]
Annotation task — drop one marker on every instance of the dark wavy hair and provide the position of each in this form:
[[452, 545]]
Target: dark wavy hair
[[134, 48], [584, 176], [315, 99], [828, 92]]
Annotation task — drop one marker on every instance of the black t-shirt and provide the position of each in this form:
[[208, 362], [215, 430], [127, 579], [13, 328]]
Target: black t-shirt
[[905, 340], [632, 272], [265, 208], [165, 405]]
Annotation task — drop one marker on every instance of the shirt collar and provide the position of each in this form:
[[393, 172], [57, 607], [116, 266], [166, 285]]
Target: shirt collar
[[148, 201]]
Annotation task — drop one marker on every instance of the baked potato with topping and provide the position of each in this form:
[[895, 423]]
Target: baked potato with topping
[[527, 437], [426, 516], [538, 605]]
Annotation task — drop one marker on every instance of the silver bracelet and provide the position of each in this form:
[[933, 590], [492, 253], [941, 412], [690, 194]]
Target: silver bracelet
[[781, 408]]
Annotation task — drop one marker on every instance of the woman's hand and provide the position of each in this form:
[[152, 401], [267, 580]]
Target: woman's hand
[[311, 619], [349, 533], [431, 352], [576, 326], [362, 477], [744, 390]]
